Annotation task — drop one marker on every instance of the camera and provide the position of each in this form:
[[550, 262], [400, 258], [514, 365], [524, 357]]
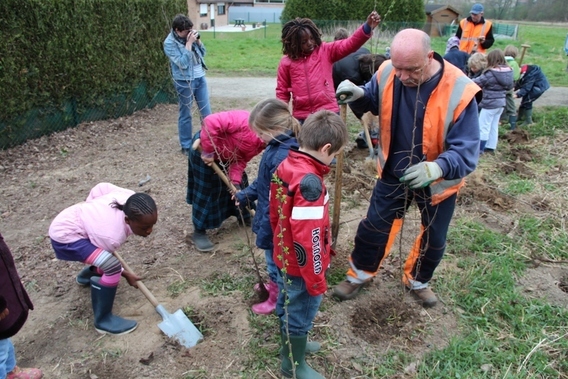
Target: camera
[[197, 35]]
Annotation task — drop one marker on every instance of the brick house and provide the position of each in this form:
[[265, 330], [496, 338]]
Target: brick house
[[206, 13]]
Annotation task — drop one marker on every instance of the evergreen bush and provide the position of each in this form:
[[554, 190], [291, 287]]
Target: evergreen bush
[[88, 56], [395, 11]]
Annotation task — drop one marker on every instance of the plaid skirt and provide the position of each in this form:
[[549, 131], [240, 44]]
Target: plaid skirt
[[207, 194]]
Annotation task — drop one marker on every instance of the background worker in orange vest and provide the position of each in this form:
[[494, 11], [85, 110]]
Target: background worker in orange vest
[[475, 32]]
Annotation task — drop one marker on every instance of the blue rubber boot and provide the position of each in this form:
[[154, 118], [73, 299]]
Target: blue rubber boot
[[102, 298], [85, 275]]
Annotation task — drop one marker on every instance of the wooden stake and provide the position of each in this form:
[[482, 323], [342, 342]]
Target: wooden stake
[[338, 185], [524, 48]]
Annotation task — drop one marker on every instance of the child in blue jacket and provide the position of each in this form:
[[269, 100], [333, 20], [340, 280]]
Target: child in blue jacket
[[272, 122], [529, 87]]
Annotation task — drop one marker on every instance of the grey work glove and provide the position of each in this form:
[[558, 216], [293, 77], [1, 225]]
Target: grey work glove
[[422, 174], [348, 92]]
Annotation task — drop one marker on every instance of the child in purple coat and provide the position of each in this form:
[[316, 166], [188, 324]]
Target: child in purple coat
[[494, 81]]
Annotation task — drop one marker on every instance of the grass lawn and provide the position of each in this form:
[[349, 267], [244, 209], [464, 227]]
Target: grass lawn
[[258, 52]]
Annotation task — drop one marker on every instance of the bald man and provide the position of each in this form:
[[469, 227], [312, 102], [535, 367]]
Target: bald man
[[428, 143]]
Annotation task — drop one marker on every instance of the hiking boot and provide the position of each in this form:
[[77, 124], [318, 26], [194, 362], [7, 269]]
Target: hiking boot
[[201, 241], [347, 290], [425, 296]]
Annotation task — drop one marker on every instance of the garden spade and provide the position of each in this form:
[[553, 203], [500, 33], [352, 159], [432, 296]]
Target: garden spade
[[176, 325]]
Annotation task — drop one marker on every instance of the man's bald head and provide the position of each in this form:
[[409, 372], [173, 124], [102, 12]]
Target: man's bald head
[[412, 57], [414, 40]]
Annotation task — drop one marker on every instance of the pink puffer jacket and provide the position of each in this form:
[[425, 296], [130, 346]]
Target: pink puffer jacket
[[308, 81], [228, 136]]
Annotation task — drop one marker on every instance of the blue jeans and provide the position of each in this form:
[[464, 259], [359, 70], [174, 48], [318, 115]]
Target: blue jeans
[[302, 307], [7, 357], [187, 90], [271, 267]]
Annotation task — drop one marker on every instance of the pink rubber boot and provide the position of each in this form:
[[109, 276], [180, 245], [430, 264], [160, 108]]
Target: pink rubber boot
[[267, 307]]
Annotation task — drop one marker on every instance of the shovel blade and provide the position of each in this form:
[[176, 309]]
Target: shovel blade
[[180, 328]]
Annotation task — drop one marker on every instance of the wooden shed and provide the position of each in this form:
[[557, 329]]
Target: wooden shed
[[440, 19]]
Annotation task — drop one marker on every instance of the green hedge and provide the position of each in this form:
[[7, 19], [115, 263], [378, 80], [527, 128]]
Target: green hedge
[[394, 11], [67, 61]]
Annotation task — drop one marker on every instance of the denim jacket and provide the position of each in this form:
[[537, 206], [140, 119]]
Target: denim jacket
[[181, 59]]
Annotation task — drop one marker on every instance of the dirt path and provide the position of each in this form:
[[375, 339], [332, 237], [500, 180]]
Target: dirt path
[[261, 88]]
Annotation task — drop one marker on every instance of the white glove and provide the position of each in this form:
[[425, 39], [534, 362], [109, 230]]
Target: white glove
[[422, 174], [348, 92]]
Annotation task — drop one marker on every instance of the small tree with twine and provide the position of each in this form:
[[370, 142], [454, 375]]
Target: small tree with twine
[[279, 231]]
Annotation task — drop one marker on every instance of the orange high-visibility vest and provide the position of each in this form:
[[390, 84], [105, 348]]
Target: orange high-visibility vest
[[470, 34], [447, 101]]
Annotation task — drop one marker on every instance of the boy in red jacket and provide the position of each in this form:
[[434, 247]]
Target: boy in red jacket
[[299, 217]]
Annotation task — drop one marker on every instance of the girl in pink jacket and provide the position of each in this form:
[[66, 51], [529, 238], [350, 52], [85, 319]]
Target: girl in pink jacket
[[226, 139], [90, 232], [305, 71]]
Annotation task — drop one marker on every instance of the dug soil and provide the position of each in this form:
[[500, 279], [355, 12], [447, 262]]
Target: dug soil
[[141, 152]]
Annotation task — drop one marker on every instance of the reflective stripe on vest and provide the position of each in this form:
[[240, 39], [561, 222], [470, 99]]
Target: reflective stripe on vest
[[451, 96]]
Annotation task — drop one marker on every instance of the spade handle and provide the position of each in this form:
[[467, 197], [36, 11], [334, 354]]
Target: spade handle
[[139, 283]]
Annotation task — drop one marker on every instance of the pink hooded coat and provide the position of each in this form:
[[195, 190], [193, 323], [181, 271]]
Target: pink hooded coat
[[228, 136]]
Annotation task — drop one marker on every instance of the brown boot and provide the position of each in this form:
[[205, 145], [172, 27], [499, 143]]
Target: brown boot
[[347, 290], [425, 296]]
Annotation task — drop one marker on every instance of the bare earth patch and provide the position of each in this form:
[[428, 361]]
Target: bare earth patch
[[43, 176]]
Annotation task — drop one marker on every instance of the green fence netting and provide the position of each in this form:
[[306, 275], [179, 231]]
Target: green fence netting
[[38, 122]]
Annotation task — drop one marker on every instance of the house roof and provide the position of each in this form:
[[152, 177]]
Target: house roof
[[435, 8]]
